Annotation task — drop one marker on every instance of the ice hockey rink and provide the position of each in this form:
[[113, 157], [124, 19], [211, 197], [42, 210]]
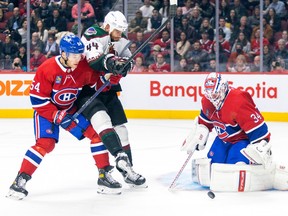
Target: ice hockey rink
[[65, 183]]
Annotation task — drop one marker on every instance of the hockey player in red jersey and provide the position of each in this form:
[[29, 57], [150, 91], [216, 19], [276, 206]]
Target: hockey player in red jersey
[[55, 88], [106, 50], [242, 137]]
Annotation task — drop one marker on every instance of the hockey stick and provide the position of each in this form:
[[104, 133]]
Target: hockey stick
[[173, 184]]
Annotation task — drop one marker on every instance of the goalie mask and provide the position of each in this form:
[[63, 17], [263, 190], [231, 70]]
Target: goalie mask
[[215, 89], [116, 20]]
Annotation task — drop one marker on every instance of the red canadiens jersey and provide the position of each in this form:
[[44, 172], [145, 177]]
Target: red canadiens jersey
[[238, 119], [56, 87]]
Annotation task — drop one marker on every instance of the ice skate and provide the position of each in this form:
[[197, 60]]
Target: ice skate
[[132, 178], [17, 189], [106, 183]]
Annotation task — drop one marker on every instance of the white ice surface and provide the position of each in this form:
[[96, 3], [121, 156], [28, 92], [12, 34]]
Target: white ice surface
[[65, 183]]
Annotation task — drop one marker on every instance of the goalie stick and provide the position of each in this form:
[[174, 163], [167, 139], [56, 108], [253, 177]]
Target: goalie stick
[[173, 184], [173, 8]]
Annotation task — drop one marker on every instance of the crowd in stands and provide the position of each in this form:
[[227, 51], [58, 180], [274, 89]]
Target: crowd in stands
[[194, 33]]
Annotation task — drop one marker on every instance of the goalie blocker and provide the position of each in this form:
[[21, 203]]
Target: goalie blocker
[[239, 177]]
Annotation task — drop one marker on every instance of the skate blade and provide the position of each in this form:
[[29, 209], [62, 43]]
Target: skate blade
[[15, 195], [109, 191], [133, 186]]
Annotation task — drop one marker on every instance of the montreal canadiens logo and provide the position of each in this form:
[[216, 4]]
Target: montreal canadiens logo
[[65, 97]]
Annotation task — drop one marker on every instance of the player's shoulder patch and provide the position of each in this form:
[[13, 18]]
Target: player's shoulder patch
[[91, 31]]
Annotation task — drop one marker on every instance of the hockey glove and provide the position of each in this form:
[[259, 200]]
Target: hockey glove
[[62, 118], [197, 138], [117, 65]]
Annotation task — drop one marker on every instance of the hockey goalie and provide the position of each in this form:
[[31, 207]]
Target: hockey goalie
[[240, 157]]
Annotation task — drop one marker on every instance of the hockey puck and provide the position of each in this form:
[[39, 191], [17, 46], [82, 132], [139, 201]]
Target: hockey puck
[[211, 194]]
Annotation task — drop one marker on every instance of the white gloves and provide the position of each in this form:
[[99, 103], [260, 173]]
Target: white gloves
[[259, 153], [197, 138]]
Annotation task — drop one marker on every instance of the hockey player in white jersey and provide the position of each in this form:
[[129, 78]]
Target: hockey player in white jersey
[[106, 50]]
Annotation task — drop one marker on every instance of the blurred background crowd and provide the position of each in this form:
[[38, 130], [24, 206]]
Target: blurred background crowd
[[187, 43]]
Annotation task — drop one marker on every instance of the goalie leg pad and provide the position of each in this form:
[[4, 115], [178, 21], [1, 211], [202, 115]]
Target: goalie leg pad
[[201, 171], [281, 177], [241, 177]]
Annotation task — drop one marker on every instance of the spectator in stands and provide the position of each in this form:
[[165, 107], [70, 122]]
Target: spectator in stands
[[226, 30], [195, 19], [139, 65], [165, 43], [178, 17], [254, 19], [9, 48], [138, 23], [147, 9], [281, 51], [1, 51], [161, 65], [207, 9], [238, 51], [196, 67], [278, 68], [15, 21], [55, 23], [36, 42], [224, 43], [241, 65], [182, 66], [279, 7], [268, 57], [154, 22], [239, 9], [189, 30], [273, 20], [284, 36], [22, 54], [23, 32], [212, 66], [267, 31], [133, 48], [232, 20], [206, 26], [34, 17], [65, 11], [43, 10], [255, 66], [37, 59], [139, 41], [6, 4], [87, 13], [242, 27], [51, 47], [182, 46], [205, 42], [197, 54], [188, 5], [224, 8], [222, 57], [246, 45], [17, 65], [164, 10], [42, 31], [255, 44], [153, 55]]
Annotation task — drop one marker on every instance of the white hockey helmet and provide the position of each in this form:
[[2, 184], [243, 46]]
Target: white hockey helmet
[[116, 20], [215, 89]]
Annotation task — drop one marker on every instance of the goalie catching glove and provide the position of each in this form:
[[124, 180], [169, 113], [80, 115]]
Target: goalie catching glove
[[197, 138], [117, 65]]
